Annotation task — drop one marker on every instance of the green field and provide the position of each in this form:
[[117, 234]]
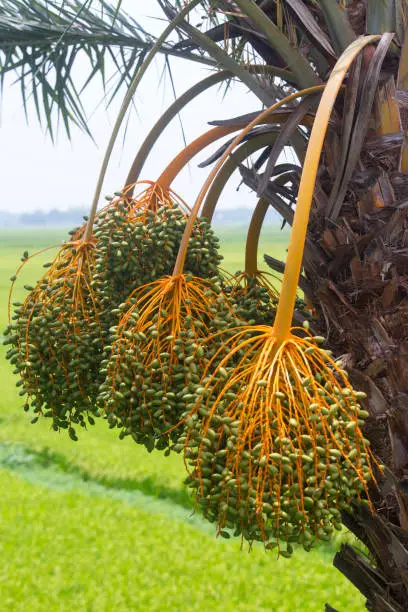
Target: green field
[[101, 525]]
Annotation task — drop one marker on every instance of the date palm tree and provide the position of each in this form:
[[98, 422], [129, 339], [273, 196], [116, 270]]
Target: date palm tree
[[355, 264]]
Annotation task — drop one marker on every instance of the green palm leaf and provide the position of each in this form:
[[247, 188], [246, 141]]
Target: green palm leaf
[[41, 43]]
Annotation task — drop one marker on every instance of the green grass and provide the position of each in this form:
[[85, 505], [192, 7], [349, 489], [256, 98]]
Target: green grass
[[101, 525], [273, 241], [70, 549], [13, 243]]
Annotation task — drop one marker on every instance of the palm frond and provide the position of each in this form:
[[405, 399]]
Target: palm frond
[[41, 43]]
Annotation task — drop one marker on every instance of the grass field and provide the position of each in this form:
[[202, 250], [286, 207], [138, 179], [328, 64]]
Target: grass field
[[101, 525]]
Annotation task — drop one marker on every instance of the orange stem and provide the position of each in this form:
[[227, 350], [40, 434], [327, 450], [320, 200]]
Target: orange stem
[[186, 155], [284, 314]]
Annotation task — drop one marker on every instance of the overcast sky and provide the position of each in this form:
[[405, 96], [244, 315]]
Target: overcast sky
[[35, 174]]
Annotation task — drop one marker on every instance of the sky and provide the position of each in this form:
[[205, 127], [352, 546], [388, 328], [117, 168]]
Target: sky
[[38, 175]]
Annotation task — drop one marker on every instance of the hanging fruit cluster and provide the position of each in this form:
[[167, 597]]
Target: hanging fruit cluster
[[255, 301], [138, 240], [157, 357], [56, 337], [276, 464], [255, 297]]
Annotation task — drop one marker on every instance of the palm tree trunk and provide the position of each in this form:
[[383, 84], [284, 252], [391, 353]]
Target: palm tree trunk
[[361, 295]]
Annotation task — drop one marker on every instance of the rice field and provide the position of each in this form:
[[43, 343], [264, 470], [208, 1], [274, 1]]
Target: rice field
[[100, 524]]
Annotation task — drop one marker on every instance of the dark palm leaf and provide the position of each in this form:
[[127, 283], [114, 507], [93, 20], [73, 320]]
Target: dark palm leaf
[[41, 42]]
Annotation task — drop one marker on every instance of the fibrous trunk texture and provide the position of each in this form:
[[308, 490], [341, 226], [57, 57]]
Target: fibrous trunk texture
[[360, 294]]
